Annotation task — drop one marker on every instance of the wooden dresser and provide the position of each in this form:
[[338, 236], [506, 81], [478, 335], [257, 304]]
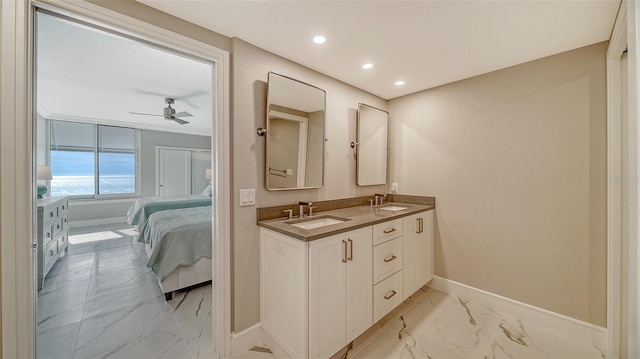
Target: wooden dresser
[[53, 233]]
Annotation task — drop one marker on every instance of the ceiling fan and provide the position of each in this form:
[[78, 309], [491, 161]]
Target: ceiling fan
[[169, 113]]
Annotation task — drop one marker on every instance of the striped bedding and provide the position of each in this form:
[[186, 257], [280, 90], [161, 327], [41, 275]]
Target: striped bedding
[[142, 208], [177, 237]]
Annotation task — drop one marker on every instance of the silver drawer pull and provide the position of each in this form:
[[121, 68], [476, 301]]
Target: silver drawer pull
[[387, 260], [50, 214], [50, 253], [57, 226], [48, 235], [389, 230], [393, 292]]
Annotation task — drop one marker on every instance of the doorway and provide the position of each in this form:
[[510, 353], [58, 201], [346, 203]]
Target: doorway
[[214, 165]]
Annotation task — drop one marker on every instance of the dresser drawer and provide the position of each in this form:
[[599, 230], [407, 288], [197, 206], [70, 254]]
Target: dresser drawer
[[47, 234], [63, 240], [58, 226], [387, 295], [50, 254], [387, 259], [62, 207], [383, 232], [49, 213]]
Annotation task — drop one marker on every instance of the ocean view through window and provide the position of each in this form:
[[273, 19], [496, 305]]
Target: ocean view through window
[[89, 160]]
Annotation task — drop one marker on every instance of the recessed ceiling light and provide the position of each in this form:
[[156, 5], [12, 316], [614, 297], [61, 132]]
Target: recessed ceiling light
[[399, 83], [367, 66], [319, 39]]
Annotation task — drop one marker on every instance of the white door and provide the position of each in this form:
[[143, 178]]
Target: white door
[[174, 172], [359, 282], [410, 226], [327, 259]]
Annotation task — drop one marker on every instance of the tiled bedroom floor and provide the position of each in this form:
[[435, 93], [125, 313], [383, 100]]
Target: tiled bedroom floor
[[101, 301]]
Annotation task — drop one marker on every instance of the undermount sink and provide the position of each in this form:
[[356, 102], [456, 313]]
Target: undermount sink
[[393, 208], [308, 223]]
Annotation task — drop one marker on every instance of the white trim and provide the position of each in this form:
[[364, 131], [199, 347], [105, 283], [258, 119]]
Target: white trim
[[617, 46], [96, 222], [16, 162], [242, 341], [17, 182], [574, 328]]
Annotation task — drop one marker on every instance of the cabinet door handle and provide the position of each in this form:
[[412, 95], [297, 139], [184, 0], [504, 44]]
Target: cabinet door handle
[[388, 296], [350, 250], [344, 254], [387, 260], [417, 225], [386, 231]]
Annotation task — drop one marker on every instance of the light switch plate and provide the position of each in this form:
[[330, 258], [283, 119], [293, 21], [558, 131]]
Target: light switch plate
[[394, 187], [247, 197]]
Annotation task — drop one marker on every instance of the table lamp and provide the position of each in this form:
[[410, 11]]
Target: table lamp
[[43, 173], [207, 173]]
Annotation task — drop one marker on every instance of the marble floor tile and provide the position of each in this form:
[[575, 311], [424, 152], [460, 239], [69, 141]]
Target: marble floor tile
[[192, 310], [142, 329], [58, 342], [519, 339], [61, 306]]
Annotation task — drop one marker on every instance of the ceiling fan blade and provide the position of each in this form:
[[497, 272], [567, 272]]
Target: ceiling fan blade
[[182, 114], [145, 114], [180, 121]]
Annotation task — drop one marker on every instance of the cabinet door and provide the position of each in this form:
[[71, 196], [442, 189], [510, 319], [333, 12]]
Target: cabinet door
[[327, 263], [424, 248], [411, 225], [359, 282]]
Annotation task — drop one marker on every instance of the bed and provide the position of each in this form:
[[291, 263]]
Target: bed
[[142, 208], [178, 244]]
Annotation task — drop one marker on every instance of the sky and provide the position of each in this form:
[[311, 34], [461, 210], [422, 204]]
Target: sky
[[68, 163]]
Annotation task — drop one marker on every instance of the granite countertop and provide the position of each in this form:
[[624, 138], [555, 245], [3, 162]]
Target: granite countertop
[[357, 217]]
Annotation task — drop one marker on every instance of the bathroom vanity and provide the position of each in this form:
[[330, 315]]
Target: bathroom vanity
[[327, 278]]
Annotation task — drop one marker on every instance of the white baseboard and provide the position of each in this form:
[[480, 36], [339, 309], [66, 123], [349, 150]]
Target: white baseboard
[[574, 328], [97, 222], [242, 341]]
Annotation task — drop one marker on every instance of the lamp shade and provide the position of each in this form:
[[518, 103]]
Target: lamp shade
[[207, 173], [44, 173]]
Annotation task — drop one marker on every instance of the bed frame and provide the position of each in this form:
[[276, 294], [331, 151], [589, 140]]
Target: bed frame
[[184, 276]]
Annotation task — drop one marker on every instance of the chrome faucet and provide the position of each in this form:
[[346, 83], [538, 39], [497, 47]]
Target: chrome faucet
[[378, 199], [301, 208]]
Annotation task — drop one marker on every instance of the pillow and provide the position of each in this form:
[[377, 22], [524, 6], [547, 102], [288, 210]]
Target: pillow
[[207, 191]]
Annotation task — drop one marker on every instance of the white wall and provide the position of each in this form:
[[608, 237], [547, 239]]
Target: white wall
[[249, 89], [517, 162]]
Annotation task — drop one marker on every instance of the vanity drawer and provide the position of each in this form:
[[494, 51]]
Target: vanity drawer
[[387, 259], [50, 255], [387, 295], [383, 232]]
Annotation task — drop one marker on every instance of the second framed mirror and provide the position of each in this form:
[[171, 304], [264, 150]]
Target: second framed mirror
[[372, 153]]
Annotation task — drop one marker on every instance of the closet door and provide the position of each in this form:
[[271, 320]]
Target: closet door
[[174, 172]]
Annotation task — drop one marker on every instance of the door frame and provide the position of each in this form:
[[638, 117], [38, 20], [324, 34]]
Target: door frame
[[17, 182]]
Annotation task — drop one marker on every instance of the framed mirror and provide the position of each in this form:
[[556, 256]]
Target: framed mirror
[[372, 152], [295, 134]]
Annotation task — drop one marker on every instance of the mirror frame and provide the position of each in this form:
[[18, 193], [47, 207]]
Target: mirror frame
[[359, 140], [268, 132]]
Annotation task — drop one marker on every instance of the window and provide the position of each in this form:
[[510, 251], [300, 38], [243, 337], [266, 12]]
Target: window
[[91, 160]]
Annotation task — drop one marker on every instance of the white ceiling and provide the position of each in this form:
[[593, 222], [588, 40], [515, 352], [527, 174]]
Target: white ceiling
[[424, 43], [89, 75]]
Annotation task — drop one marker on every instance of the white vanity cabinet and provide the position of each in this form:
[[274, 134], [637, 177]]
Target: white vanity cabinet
[[418, 251], [317, 296], [340, 283]]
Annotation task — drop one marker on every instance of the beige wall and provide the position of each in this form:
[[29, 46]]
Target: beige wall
[[249, 75], [517, 162]]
